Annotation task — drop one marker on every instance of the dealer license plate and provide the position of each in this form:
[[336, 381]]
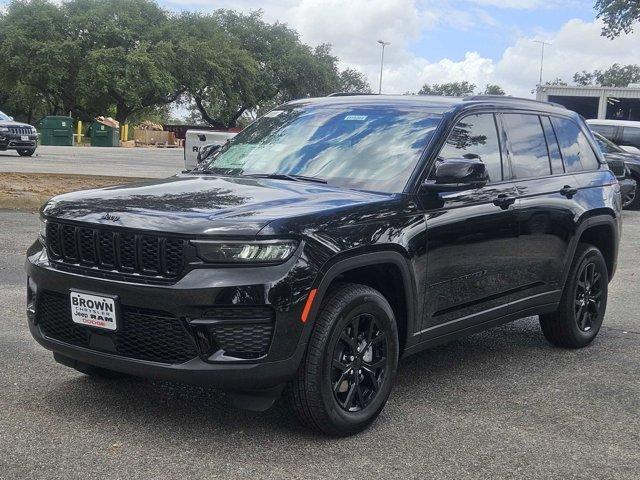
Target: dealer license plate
[[94, 310], [24, 138]]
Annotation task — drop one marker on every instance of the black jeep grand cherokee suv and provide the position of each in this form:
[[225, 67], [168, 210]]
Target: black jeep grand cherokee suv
[[330, 238], [17, 136]]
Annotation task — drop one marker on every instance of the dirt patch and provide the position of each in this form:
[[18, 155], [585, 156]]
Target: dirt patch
[[28, 191]]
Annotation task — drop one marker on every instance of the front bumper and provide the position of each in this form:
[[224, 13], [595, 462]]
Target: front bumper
[[12, 141], [280, 287]]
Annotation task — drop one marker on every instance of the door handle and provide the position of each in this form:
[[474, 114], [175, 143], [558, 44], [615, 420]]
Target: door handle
[[503, 201], [568, 191]]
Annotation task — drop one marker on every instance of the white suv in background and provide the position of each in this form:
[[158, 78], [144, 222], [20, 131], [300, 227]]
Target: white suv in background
[[624, 133]]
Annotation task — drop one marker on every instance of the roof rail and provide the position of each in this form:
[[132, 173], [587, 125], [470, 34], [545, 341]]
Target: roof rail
[[348, 94], [508, 97]]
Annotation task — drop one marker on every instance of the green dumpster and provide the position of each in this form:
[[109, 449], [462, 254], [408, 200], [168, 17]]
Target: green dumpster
[[55, 130], [104, 135]]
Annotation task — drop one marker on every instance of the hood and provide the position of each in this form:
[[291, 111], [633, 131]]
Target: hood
[[203, 205], [13, 123]]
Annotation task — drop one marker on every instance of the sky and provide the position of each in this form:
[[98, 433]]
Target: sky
[[435, 41]]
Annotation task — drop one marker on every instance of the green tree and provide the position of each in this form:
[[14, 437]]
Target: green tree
[[619, 16], [614, 76], [451, 89], [493, 89], [353, 81], [557, 81]]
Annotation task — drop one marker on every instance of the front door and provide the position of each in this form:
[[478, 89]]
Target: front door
[[472, 236]]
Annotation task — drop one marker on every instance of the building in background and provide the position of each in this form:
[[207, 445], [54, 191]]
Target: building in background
[[614, 103]]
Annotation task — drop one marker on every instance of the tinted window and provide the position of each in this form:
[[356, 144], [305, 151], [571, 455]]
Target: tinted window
[[631, 136], [369, 147], [576, 149], [607, 146], [530, 157], [554, 150], [476, 136], [607, 131]]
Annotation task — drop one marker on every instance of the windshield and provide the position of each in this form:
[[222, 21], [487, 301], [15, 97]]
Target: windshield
[[607, 146], [4, 117], [366, 147]]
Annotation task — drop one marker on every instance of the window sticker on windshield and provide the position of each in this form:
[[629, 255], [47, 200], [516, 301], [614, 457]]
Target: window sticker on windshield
[[356, 118], [273, 113]]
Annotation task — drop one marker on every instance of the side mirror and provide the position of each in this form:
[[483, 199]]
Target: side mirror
[[457, 174], [206, 151], [11, 118]]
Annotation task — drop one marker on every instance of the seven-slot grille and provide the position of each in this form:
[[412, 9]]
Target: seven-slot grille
[[21, 130], [124, 252]]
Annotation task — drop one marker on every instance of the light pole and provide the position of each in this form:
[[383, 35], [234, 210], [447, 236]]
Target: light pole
[[384, 44], [541, 57]]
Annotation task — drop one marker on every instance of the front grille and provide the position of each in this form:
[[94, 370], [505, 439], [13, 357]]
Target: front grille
[[617, 167], [109, 250], [21, 130], [142, 334]]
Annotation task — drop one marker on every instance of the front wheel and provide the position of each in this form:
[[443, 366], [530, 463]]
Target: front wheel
[[346, 376], [26, 152], [583, 304]]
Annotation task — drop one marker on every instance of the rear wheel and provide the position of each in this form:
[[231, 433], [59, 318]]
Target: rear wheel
[[346, 376], [584, 301], [26, 152]]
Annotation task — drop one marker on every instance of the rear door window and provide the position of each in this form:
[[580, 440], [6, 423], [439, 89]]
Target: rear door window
[[576, 149], [476, 136], [631, 136], [557, 167], [529, 154]]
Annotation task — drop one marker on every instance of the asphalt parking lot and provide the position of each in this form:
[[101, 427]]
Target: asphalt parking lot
[[501, 404], [116, 161]]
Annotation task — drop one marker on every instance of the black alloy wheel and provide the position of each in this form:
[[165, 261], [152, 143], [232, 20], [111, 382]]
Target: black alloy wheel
[[583, 304], [629, 198], [588, 296], [346, 376], [359, 363]]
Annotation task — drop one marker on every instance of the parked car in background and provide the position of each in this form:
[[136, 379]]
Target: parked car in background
[[326, 241], [616, 158], [17, 136], [623, 133], [196, 139], [626, 167]]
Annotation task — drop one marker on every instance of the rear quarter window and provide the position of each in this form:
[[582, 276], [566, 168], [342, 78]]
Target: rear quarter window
[[574, 145]]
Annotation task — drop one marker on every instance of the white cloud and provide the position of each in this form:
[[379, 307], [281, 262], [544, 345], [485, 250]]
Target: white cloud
[[353, 27]]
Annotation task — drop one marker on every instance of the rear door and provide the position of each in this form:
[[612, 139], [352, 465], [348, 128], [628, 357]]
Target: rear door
[[546, 190]]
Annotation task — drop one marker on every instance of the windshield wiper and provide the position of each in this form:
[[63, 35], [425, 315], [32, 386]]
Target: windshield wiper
[[287, 176]]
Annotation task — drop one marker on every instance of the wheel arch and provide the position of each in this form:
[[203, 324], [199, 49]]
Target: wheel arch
[[601, 231], [366, 268]]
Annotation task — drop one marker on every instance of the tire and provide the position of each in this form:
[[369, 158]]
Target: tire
[[26, 152], [633, 204], [583, 304], [335, 392]]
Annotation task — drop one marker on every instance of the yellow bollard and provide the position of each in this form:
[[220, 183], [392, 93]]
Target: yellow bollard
[[79, 134], [126, 132]]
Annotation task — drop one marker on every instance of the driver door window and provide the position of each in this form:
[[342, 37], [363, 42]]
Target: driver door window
[[476, 136]]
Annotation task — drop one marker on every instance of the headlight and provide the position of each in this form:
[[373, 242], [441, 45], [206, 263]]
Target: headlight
[[43, 228], [4, 129], [266, 251]]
